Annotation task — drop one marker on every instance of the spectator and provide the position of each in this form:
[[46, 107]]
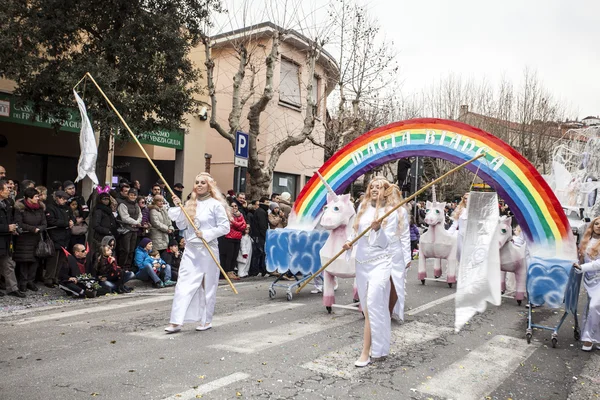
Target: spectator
[[162, 188], [414, 235], [57, 216], [161, 268], [2, 173], [230, 245], [172, 256], [276, 217], [156, 190], [105, 223], [69, 188], [56, 186], [11, 187], [43, 192], [261, 223], [77, 264], [285, 205], [181, 243], [240, 201], [145, 226], [275, 197], [30, 216], [178, 190], [7, 229], [26, 183], [160, 224], [145, 265], [136, 185], [80, 227], [131, 220], [123, 191], [109, 274], [250, 213], [39, 275], [245, 254]]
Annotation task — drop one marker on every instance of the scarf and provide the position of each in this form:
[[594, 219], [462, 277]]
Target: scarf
[[203, 196], [33, 206]]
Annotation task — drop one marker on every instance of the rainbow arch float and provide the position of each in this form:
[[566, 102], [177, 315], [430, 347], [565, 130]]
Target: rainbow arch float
[[536, 208]]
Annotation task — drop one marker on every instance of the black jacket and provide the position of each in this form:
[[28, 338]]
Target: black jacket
[[6, 218], [261, 222], [105, 223], [173, 261], [59, 217], [71, 269], [28, 220]]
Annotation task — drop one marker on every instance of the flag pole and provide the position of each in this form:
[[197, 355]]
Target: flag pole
[[191, 222], [387, 214]]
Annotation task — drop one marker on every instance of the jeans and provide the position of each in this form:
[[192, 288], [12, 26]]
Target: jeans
[[146, 272], [112, 286]]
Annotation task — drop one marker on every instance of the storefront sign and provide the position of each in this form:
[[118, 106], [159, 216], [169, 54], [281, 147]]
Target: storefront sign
[[172, 139], [23, 113]]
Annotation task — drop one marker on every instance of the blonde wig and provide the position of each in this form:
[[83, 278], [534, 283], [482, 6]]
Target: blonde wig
[[594, 251], [460, 208], [389, 195], [213, 191]]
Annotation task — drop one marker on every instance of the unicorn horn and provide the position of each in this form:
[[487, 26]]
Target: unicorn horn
[[433, 197], [329, 189]]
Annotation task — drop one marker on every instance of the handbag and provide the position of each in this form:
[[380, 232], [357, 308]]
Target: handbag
[[45, 246], [80, 229]]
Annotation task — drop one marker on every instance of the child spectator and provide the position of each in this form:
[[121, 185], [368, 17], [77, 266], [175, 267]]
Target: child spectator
[[109, 274], [414, 235], [245, 255], [160, 266], [145, 263], [172, 256]]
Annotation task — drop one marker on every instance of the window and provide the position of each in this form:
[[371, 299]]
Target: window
[[316, 93], [283, 182], [289, 83]]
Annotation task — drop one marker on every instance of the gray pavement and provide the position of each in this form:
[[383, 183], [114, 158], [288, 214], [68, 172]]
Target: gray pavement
[[115, 348]]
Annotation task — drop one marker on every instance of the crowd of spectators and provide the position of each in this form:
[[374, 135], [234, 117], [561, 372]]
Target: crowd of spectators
[[95, 246]]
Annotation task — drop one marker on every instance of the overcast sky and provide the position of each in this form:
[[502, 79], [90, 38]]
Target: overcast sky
[[559, 39]]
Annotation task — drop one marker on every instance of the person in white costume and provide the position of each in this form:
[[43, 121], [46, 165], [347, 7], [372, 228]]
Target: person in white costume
[[589, 253], [196, 290], [459, 224], [374, 267], [401, 259]]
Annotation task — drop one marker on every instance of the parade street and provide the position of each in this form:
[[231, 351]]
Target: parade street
[[115, 348]]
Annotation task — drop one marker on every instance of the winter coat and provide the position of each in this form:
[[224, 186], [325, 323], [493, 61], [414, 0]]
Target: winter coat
[[73, 268], [107, 268], [105, 223], [28, 220], [286, 207], [59, 217], [145, 221], [160, 224], [6, 218], [172, 260], [130, 214], [261, 222], [237, 227], [276, 221], [414, 232], [142, 258]]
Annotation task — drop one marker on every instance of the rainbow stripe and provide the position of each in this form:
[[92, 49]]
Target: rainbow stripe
[[516, 180]]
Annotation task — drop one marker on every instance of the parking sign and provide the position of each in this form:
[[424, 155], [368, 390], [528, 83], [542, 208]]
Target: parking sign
[[241, 149]]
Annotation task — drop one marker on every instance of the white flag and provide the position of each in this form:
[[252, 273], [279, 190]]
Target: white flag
[[479, 269], [87, 142]]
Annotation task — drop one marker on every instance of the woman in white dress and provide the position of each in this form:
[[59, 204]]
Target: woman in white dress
[[459, 224], [374, 268], [589, 253], [196, 290]]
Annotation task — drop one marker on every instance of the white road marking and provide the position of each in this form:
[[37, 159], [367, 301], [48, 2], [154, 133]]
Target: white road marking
[[481, 371], [431, 304], [340, 363], [135, 301], [222, 319], [252, 342], [209, 387]]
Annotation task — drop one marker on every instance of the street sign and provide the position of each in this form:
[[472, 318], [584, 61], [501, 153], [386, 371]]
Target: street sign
[[241, 149]]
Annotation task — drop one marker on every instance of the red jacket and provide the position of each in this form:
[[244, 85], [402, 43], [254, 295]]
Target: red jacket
[[237, 228]]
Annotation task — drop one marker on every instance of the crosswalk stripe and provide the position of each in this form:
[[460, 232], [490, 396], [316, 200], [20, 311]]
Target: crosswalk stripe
[[252, 342], [340, 363], [481, 371], [223, 319], [209, 387], [431, 304]]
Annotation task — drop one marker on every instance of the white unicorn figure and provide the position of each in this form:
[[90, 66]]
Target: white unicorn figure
[[336, 217], [513, 258], [437, 243]]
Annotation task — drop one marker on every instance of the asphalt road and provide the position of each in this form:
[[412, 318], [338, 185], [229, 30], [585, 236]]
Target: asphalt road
[[115, 348]]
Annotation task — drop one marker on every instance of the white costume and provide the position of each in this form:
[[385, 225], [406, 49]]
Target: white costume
[[401, 256], [373, 271], [244, 263], [591, 281], [196, 290], [460, 226]]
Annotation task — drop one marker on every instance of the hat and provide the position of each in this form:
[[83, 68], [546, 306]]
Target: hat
[[273, 206], [61, 194], [173, 242], [144, 242], [132, 190], [230, 192], [68, 184], [179, 185], [285, 196]]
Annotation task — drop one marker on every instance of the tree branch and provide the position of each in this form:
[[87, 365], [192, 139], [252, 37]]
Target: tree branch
[[210, 69]]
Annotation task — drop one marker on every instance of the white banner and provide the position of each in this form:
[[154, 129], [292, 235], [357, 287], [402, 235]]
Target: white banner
[[87, 143], [479, 270]]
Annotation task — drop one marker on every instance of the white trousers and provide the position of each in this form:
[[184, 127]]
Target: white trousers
[[591, 320], [399, 281]]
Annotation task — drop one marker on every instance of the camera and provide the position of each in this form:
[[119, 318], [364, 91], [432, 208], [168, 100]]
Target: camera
[[18, 229]]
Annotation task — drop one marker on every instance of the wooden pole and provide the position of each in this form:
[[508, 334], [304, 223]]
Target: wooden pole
[[387, 214], [191, 222]]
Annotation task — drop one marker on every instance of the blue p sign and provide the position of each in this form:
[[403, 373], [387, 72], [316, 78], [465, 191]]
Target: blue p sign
[[241, 144]]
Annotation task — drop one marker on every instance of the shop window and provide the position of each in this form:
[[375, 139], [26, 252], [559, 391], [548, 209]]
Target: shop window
[[285, 183], [289, 83]]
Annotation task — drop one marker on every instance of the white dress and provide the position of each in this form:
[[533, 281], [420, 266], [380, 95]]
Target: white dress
[[591, 281], [401, 256], [196, 290], [459, 226], [373, 271]]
